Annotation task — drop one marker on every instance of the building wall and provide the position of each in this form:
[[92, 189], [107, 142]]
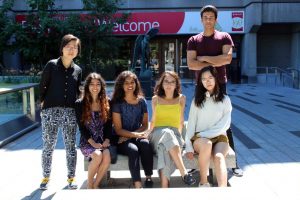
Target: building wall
[[177, 4], [274, 50], [252, 24], [295, 51], [281, 12], [60, 4]]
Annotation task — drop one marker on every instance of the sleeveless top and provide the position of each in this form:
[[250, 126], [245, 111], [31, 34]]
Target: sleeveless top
[[167, 115]]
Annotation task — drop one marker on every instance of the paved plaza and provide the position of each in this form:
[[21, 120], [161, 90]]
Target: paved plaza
[[266, 126]]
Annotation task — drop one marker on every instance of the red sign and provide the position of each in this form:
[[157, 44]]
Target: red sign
[[140, 23], [167, 22], [237, 21], [21, 18]]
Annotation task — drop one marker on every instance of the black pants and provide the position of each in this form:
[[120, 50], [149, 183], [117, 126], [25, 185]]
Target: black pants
[[230, 138], [134, 149]]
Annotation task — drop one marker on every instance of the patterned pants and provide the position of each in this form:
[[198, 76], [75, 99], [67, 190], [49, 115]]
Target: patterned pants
[[54, 119]]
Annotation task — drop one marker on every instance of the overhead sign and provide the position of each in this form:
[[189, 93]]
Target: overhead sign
[[179, 23], [171, 23], [228, 21]]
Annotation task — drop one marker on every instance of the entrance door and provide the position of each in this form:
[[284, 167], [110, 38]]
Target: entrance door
[[168, 55], [154, 60]]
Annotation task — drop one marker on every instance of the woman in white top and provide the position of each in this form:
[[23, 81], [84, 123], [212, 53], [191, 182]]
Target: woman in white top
[[209, 118]]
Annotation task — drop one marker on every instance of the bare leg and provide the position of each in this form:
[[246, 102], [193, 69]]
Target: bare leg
[[219, 152], [175, 153], [138, 184], [104, 165], [93, 167], [203, 146], [163, 180]]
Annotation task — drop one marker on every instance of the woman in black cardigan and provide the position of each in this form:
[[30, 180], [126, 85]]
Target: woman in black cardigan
[[95, 125]]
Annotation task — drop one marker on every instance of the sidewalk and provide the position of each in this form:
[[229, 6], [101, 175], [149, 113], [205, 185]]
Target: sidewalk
[[266, 128]]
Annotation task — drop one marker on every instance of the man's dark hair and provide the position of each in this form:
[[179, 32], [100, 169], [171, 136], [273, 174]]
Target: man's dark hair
[[209, 8]]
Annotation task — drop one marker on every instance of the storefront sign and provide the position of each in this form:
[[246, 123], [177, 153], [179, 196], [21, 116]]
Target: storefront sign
[[179, 23], [228, 21], [172, 23], [237, 21], [140, 23]]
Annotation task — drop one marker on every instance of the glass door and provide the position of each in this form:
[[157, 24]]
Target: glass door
[[154, 58], [168, 50]]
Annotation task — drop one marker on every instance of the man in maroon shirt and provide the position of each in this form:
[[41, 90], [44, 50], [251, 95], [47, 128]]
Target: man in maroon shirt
[[212, 48]]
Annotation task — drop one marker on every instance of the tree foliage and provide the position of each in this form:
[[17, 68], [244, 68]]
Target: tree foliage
[[4, 27], [38, 39]]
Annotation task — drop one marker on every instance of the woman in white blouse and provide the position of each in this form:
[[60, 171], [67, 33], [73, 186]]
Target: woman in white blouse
[[209, 118]]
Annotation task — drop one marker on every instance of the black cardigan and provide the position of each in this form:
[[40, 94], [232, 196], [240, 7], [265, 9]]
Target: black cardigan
[[107, 129], [59, 86]]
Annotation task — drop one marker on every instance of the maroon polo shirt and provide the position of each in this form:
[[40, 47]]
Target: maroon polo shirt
[[210, 46]]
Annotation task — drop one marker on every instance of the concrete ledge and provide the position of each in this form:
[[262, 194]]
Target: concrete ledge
[[122, 162]]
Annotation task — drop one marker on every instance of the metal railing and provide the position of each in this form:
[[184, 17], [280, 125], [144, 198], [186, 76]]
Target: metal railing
[[10, 96], [295, 73], [17, 111], [288, 77]]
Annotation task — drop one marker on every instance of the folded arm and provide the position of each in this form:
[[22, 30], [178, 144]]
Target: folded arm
[[220, 60], [194, 63]]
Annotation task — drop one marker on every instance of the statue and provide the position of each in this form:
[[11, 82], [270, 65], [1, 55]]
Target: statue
[[142, 51]]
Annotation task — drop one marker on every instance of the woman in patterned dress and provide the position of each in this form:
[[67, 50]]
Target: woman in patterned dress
[[94, 121]]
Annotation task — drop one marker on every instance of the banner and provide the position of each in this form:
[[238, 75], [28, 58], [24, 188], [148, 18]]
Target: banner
[[171, 23]]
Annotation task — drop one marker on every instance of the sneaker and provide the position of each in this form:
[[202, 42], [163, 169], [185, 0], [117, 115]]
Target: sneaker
[[237, 172], [72, 184], [44, 183], [148, 183], [188, 179], [204, 185]]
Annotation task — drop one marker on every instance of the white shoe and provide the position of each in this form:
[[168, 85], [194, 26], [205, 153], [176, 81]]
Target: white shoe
[[204, 185]]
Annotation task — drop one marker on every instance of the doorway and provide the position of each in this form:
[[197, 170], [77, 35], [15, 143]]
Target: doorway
[[168, 55]]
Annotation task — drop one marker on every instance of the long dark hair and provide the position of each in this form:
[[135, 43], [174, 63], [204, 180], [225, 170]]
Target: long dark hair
[[159, 90], [200, 93], [119, 94], [88, 100]]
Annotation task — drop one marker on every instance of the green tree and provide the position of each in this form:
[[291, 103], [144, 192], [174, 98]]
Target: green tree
[[38, 39], [95, 30], [4, 30]]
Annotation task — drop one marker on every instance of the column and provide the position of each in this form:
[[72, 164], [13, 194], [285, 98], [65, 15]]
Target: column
[[249, 57]]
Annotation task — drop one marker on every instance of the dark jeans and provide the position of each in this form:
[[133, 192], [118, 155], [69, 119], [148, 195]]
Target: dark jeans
[[134, 149]]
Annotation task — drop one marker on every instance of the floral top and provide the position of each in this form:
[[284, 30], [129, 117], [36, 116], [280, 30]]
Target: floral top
[[96, 129], [131, 114]]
